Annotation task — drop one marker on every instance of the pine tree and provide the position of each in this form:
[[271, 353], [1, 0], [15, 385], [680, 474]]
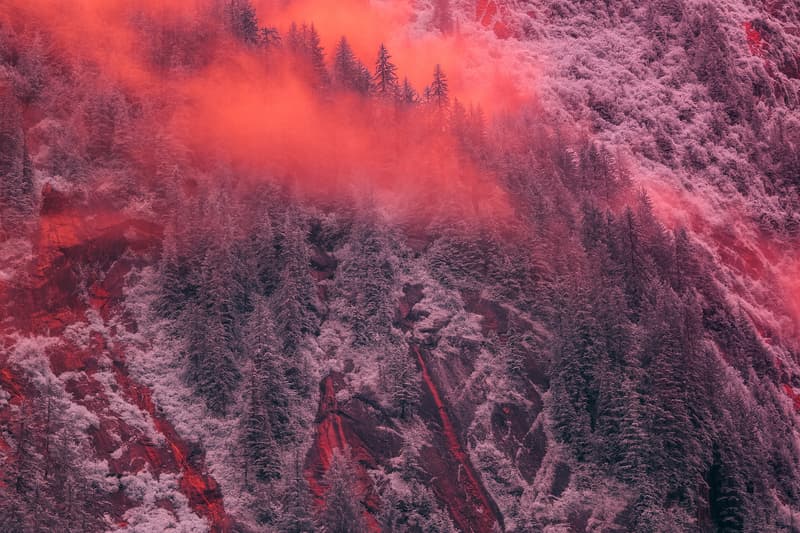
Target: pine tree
[[675, 449], [16, 170], [348, 72], [260, 450], [320, 76], [242, 21], [574, 383], [632, 259], [518, 346], [385, 78], [262, 246], [296, 516], [263, 350], [269, 37], [305, 44], [407, 94], [342, 511], [211, 326], [294, 301], [402, 380], [367, 280], [439, 91], [211, 369]]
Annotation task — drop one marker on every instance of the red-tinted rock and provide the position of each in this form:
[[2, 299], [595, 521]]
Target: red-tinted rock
[[454, 481], [77, 246], [337, 432]]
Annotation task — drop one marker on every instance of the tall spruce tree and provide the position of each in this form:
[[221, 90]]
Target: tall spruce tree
[[439, 93], [384, 81], [342, 511]]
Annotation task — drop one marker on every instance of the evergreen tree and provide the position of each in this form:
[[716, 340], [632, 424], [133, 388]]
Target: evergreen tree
[[407, 94], [367, 280], [211, 370], [16, 170], [260, 450], [263, 350], [294, 301], [342, 511], [317, 56], [574, 382], [442, 17], [242, 21], [385, 77], [305, 44], [261, 244], [402, 380], [348, 72], [269, 37], [296, 516], [632, 260], [439, 93]]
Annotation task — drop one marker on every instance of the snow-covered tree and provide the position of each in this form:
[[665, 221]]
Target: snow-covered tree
[[342, 511], [402, 380], [294, 300], [297, 513]]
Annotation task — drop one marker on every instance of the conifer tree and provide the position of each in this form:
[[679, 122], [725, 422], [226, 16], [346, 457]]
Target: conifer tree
[[16, 170], [385, 77], [263, 350], [342, 510], [407, 94], [261, 456], [442, 16], [294, 301], [296, 516], [316, 54], [348, 71], [242, 21], [305, 44], [367, 280], [439, 93], [402, 379]]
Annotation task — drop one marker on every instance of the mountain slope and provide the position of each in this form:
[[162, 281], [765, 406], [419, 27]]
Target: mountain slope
[[545, 282]]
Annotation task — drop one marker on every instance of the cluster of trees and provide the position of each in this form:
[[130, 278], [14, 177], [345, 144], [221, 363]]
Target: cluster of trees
[[655, 380], [16, 169], [644, 343], [42, 484], [408, 505], [232, 296], [347, 72], [244, 301]]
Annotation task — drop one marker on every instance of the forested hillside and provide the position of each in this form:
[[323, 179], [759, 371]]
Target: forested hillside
[[425, 266]]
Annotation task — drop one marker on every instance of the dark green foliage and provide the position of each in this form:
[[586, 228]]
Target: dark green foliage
[[42, 485], [268, 376], [261, 456]]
